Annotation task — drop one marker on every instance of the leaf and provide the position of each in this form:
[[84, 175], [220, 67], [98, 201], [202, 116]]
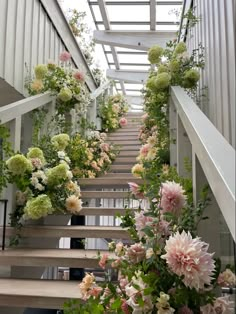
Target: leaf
[[116, 304], [147, 230]]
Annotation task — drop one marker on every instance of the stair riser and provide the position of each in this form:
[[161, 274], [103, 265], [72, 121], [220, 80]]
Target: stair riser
[[131, 143], [108, 181], [106, 195], [121, 167], [127, 154]]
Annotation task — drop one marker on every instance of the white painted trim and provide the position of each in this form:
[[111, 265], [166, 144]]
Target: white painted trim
[[18, 108], [100, 90], [128, 75], [140, 40], [215, 154]]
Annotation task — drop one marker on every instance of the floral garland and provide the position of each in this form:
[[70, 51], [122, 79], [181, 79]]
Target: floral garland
[[112, 111], [64, 82], [167, 269]]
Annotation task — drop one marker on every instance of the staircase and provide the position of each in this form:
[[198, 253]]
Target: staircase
[[25, 292]]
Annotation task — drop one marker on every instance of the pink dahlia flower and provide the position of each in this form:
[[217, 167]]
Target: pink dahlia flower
[[144, 150], [123, 121], [188, 257], [65, 56], [172, 197], [79, 76], [135, 190]]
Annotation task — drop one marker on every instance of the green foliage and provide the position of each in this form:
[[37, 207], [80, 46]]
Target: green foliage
[[5, 152]]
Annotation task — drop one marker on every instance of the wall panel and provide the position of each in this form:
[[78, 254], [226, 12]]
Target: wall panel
[[216, 32], [29, 36]]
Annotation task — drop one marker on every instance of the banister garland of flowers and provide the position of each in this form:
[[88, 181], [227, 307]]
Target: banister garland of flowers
[[167, 269]]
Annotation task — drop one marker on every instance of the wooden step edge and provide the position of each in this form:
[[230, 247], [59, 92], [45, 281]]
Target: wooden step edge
[[48, 294], [46, 231], [52, 257]]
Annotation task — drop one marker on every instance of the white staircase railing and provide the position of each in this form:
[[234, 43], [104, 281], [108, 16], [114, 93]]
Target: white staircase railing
[[197, 138]]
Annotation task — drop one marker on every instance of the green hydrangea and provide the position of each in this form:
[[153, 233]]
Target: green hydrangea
[[180, 48], [159, 82], [36, 152], [57, 175], [154, 54], [40, 71], [65, 94], [38, 207], [174, 66], [60, 141], [191, 77], [19, 164], [162, 68]]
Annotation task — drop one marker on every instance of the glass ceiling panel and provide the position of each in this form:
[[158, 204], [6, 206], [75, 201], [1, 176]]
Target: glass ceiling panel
[[97, 13], [168, 13], [129, 13], [131, 27], [133, 58], [134, 86]]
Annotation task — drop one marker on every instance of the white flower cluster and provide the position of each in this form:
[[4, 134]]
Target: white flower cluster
[[38, 180]]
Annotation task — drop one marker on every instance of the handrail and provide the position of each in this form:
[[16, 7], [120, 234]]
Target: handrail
[[18, 108], [187, 4], [215, 154], [100, 90]]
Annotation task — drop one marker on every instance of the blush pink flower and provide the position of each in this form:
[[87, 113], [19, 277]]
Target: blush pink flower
[[95, 291], [79, 76], [144, 150], [141, 221], [136, 253], [227, 278], [144, 117], [103, 261], [188, 257], [222, 305], [123, 121], [105, 147], [135, 190], [65, 56], [125, 307], [172, 197]]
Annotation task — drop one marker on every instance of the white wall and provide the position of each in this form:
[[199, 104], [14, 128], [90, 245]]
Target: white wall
[[216, 32]]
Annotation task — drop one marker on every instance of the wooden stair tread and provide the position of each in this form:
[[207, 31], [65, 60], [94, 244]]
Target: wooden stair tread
[[104, 194], [122, 180], [51, 257], [50, 294], [46, 231]]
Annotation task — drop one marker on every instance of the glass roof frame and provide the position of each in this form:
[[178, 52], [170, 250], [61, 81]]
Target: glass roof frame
[[152, 22]]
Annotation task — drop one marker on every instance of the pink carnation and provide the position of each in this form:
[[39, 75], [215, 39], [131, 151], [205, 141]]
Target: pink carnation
[[79, 76], [65, 56], [172, 197], [103, 261], [135, 190], [188, 257], [123, 121]]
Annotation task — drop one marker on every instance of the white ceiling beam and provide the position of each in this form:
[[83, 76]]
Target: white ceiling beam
[[103, 10], [128, 75], [152, 15], [140, 40]]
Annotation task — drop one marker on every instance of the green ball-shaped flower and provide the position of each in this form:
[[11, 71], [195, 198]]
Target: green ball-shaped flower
[[57, 175], [65, 94], [36, 152], [180, 48], [151, 83], [191, 77], [38, 207], [162, 81], [154, 54], [60, 141], [174, 66], [40, 71], [19, 164], [162, 68]]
